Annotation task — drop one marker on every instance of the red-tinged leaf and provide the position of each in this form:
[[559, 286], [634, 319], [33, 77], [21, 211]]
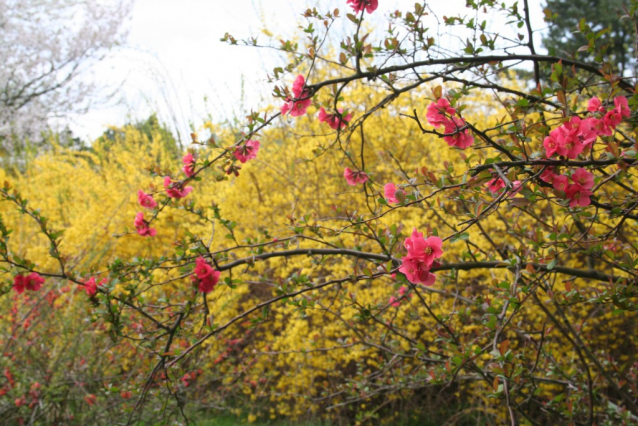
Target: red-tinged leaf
[[503, 347]]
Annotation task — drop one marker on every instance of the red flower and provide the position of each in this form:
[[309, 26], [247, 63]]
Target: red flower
[[583, 178], [90, 286], [358, 5], [189, 165], [302, 100], [424, 249], [246, 152], [460, 138], [32, 282], [205, 275], [578, 196], [90, 399], [174, 191], [439, 112], [335, 121], [146, 200], [142, 226]]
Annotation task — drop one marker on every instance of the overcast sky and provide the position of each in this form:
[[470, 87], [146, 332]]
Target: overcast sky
[[176, 65]]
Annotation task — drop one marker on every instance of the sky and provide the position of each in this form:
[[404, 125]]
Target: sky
[[175, 65]]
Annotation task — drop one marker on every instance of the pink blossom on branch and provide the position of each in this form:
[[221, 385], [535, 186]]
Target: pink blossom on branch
[[393, 194], [142, 227], [90, 285], [583, 178], [335, 121], [354, 178], [495, 185], [461, 138], [439, 112], [146, 200], [189, 165], [426, 249], [622, 106], [358, 5], [174, 191], [247, 151], [560, 182], [302, 100], [594, 105], [578, 196], [205, 275], [31, 282], [417, 271]]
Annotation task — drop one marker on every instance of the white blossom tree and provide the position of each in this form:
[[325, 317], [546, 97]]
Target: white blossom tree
[[46, 49]]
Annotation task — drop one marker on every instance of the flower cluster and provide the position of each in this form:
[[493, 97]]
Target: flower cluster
[[578, 192], [204, 275], [354, 178], [302, 101], [441, 113], [421, 256], [31, 282], [571, 138]]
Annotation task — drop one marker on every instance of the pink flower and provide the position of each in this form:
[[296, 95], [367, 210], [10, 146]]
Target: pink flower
[[612, 118], [142, 226], [424, 249], [392, 194], [354, 178], [594, 105], [495, 185], [205, 275], [568, 144], [600, 127], [439, 112], [548, 175], [622, 106], [299, 106], [560, 182], [31, 282], [578, 196], [173, 191], [189, 165], [583, 130], [583, 178], [551, 144], [417, 271], [369, 5], [335, 121], [247, 151], [146, 200], [460, 139], [394, 302], [90, 286]]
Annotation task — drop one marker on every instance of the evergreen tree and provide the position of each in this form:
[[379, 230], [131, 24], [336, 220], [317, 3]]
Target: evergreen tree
[[564, 37]]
